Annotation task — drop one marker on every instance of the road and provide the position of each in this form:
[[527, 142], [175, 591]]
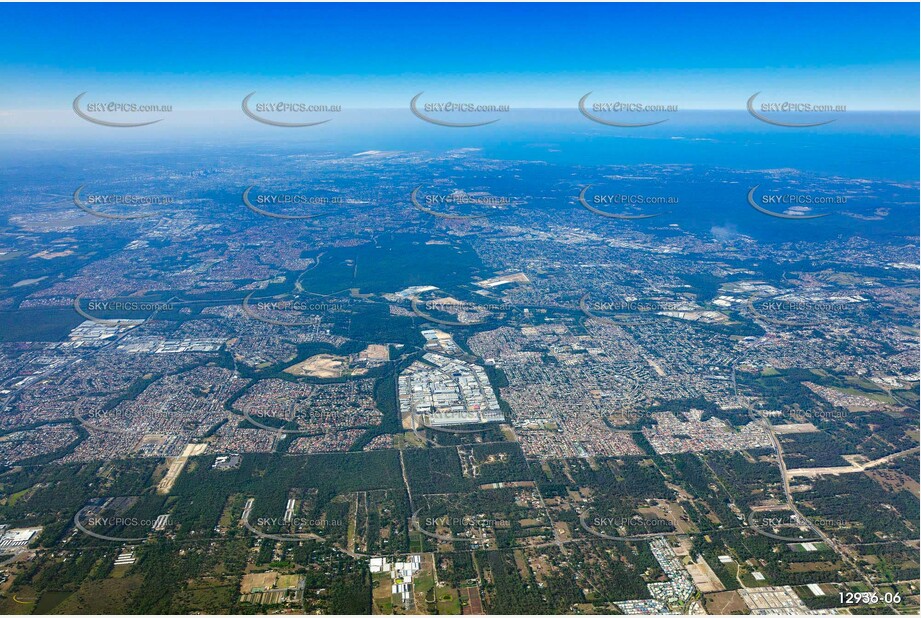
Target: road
[[758, 417], [813, 472]]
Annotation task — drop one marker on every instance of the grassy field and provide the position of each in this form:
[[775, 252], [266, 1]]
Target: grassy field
[[103, 596], [448, 601]]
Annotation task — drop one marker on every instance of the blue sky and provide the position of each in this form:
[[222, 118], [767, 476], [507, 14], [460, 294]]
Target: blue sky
[[207, 56]]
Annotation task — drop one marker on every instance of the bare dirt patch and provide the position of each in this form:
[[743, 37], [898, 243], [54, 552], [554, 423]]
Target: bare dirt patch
[[893, 480], [321, 366], [725, 603]]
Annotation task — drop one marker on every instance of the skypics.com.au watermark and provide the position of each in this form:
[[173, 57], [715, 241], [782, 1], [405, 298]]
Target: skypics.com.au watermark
[[772, 526], [129, 199], [599, 202], [632, 107], [298, 199], [803, 200], [122, 421], [128, 311], [272, 113], [263, 204], [788, 109], [793, 206], [634, 528], [288, 522], [462, 199], [87, 201], [298, 522], [630, 522], [466, 521], [442, 205], [795, 520], [438, 112], [605, 112], [836, 414], [802, 306], [289, 310], [445, 306], [804, 312], [459, 308], [624, 311], [96, 520], [297, 305], [638, 306], [88, 518], [128, 306], [114, 113]]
